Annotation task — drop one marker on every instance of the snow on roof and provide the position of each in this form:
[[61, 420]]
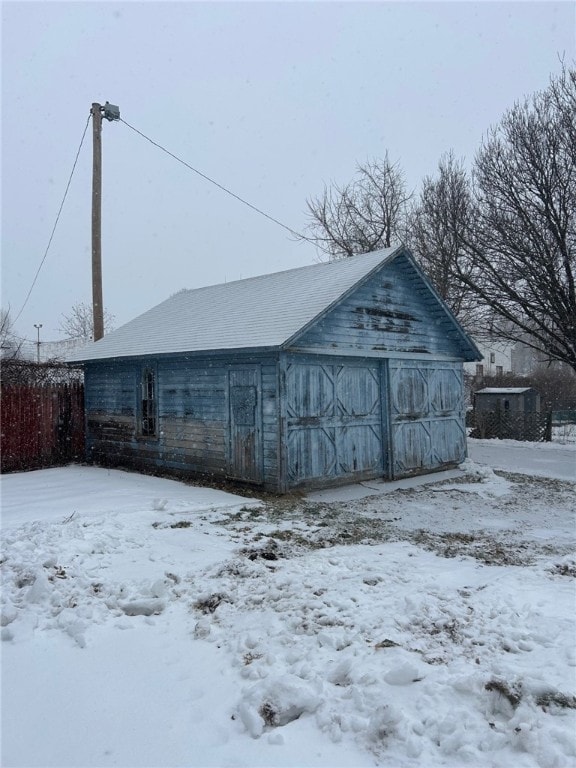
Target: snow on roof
[[503, 390], [262, 311]]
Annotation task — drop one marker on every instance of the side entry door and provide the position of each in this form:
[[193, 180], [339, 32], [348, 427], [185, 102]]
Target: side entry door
[[244, 397]]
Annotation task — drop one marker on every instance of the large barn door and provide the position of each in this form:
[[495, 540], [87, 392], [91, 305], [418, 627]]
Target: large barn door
[[426, 416], [334, 425], [245, 424]]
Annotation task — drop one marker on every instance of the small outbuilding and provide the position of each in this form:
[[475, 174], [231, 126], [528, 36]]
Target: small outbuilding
[[325, 374], [507, 399]]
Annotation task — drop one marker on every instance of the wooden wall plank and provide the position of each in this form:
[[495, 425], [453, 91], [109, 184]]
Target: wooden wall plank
[[394, 312], [427, 418], [193, 414]]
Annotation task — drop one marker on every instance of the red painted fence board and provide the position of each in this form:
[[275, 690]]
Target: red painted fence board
[[42, 425]]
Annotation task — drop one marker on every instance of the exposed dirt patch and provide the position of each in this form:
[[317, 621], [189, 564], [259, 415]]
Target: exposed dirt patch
[[514, 694], [564, 569], [556, 699], [298, 525], [481, 546], [210, 603], [511, 693]]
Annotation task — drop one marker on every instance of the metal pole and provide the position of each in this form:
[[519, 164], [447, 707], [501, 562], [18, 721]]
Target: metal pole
[[38, 342], [97, 302]]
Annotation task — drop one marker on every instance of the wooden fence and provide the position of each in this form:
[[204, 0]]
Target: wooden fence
[[534, 427], [42, 425]]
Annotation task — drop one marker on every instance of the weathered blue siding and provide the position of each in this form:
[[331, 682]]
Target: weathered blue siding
[[427, 425], [394, 311], [196, 426], [349, 419], [332, 420]]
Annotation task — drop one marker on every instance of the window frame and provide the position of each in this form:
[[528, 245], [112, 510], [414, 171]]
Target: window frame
[[148, 403]]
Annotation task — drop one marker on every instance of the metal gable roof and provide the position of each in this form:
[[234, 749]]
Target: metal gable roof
[[257, 312], [262, 312]]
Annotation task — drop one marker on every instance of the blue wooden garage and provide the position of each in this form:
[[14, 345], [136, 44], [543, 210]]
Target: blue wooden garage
[[325, 374]]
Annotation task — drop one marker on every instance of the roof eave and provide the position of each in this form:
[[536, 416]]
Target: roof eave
[[227, 351]]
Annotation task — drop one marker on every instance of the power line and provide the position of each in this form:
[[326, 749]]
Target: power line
[[55, 223], [293, 232], [222, 187]]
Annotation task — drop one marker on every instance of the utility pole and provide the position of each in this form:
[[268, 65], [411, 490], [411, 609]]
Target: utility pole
[[97, 308], [38, 342], [110, 112]]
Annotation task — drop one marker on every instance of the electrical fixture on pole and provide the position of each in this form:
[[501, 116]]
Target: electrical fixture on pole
[[38, 326], [110, 112]]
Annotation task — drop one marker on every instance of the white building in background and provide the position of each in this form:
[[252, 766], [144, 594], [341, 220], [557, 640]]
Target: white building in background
[[501, 357], [497, 357]]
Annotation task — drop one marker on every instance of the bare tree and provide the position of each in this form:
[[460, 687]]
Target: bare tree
[[439, 225], [10, 344], [79, 323], [523, 244], [365, 215]]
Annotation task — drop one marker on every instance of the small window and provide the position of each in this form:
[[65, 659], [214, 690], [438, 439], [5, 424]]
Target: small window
[[479, 369], [506, 405], [492, 357], [499, 370], [148, 418]]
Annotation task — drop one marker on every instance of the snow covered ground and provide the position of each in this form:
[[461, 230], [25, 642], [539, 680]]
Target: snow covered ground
[[421, 623], [564, 433], [543, 459]]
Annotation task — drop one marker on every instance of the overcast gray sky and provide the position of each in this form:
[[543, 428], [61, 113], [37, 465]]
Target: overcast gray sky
[[273, 100]]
